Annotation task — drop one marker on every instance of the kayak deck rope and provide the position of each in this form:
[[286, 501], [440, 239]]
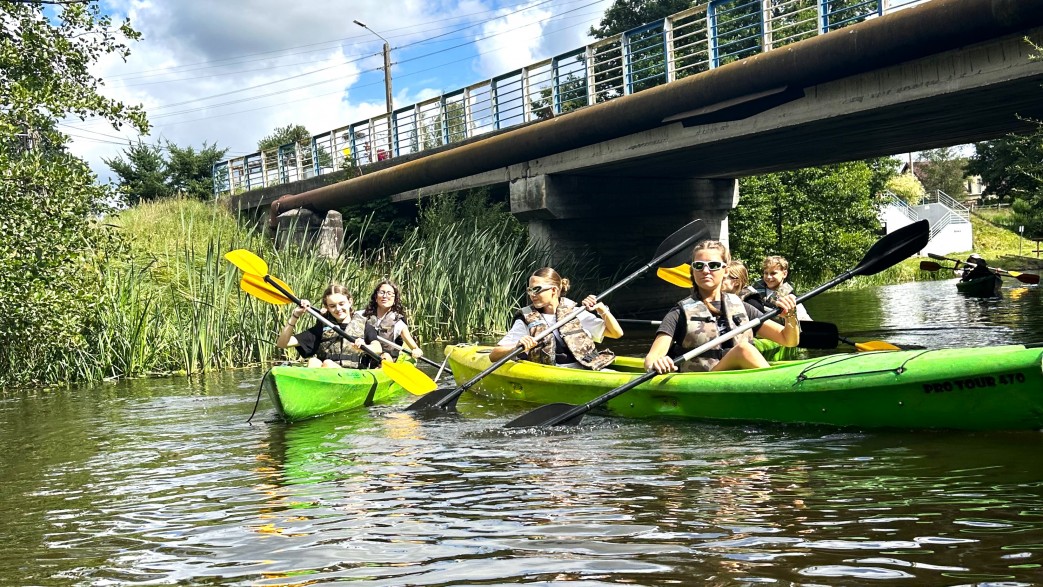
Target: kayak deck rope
[[833, 360]]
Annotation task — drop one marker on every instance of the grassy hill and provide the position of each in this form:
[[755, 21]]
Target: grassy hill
[[998, 244]]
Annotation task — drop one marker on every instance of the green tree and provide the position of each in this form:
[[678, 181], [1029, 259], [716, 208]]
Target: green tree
[[191, 172], [906, 187], [942, 169], [294, 133], [624, 15], [143, 175], [822, 219], [49, 238], [1012, 168]]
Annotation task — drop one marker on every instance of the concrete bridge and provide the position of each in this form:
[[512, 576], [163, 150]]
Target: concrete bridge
[[614, 176]]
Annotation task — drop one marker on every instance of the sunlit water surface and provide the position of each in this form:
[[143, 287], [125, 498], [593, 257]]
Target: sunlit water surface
[[164, 482]]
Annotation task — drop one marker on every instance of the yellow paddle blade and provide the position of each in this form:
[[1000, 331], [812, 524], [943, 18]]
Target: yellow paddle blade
[[680, 276], [247, 261], [408, 376], [876, 345], [260, 289]]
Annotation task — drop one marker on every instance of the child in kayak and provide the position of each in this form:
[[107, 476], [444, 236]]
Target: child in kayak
[[737, 281], [320, 344], [386, 314], [774, 271], [710, 312], [572, 345], [974, 268]]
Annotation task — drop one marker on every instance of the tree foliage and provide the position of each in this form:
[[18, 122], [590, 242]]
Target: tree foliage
[[49, 238], [147, 175], [906, 187], [822, 219], [624, 15], [294, 134], [942, 169], [1012, 168]]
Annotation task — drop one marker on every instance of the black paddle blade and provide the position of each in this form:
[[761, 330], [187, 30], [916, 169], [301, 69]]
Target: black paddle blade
[[545, 416], [889, 250], [696, 228], [818, 335], [929, 266], [429, 400]]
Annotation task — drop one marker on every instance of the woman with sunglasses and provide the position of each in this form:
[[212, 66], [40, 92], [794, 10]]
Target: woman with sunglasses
[[386, 314], [572, 345], [710, 312]]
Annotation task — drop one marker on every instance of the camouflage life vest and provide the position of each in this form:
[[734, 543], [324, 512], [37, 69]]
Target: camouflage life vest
[[770, 297], [386, 328], [578, 345], [701, 328], [341, 351]]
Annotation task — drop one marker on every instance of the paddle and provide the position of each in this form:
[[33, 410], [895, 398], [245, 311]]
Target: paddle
[[255, 286], [1030, 278], [671, 251], [887, 251], [274, 291]]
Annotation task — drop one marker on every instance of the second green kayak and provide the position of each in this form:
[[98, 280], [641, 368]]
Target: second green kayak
[[302, 392], [991, 388]]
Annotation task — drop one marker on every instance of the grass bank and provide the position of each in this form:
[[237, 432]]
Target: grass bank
[[171, 304]]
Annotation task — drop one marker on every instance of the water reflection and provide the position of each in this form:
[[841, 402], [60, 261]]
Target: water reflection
[[163, 482]]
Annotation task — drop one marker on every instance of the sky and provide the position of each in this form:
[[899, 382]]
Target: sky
[[230, 72]]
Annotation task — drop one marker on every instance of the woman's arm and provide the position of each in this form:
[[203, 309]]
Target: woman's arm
[[286, 337], [656, 359], [612, 327], [788, 333], [411, 344]]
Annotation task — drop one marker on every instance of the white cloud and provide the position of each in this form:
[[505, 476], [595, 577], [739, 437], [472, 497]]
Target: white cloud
[[230, 73]]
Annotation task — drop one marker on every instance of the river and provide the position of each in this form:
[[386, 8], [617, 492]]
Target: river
[[162, 482]]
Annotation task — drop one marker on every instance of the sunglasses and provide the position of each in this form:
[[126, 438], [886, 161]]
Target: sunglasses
[[537, 289], [711, 265]]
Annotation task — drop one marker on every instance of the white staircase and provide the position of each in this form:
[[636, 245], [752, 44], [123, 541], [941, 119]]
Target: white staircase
[[949, 221]]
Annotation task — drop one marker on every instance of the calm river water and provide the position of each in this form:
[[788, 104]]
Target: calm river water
[[162, 482]]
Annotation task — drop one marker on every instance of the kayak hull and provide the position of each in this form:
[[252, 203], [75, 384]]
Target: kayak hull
[[995, 388], [987, 286], [301, 392]]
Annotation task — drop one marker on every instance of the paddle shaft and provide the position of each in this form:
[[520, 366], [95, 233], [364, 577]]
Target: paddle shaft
[[609, 396], [450, 398]]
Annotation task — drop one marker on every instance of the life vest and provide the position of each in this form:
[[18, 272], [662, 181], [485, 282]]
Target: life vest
[[784, 289], [749, 294], [578, 345], [701, 328], [386, 328], [339, 350]]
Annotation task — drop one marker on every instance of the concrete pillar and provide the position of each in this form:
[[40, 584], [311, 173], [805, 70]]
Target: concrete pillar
[[619, 222], [324, 233]]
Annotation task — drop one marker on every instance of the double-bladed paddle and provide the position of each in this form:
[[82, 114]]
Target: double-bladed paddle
[[1030, 278], [887, 251], [258, 283], [670, 252]]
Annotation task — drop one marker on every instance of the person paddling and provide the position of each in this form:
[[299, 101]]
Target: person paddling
[[572, 345], [975, 268], [387, 315], [320, 344], [710, 312]]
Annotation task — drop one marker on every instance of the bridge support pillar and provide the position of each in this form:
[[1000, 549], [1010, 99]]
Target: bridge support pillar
[[618, 223], [323, 232]]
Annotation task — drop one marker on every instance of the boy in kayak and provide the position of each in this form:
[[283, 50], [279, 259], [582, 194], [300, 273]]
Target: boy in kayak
[[710, 312], [775, 270], [321, 344], [572, 345]]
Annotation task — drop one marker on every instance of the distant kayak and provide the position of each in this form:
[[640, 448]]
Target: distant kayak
[[985, 286]]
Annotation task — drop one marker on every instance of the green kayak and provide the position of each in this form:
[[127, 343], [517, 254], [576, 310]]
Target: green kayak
[[992, 388], [301, 392], [987, 286]]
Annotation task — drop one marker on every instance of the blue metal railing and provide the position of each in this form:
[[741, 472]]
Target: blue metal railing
[[683, 44]]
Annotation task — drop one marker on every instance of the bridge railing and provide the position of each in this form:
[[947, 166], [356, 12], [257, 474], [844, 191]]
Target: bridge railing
[[683, 44]]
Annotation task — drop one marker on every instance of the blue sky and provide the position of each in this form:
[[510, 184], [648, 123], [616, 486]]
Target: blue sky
[[231, 72]]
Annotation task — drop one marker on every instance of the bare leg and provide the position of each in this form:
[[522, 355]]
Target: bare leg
[[314, 363], [741, 356]]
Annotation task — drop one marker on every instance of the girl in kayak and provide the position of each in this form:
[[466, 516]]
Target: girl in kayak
[[710, 312], [737, 281], [386, 314], [572, 345], [322, 346]]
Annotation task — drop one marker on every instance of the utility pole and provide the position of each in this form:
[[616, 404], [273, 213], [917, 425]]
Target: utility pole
[[387, 89]]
